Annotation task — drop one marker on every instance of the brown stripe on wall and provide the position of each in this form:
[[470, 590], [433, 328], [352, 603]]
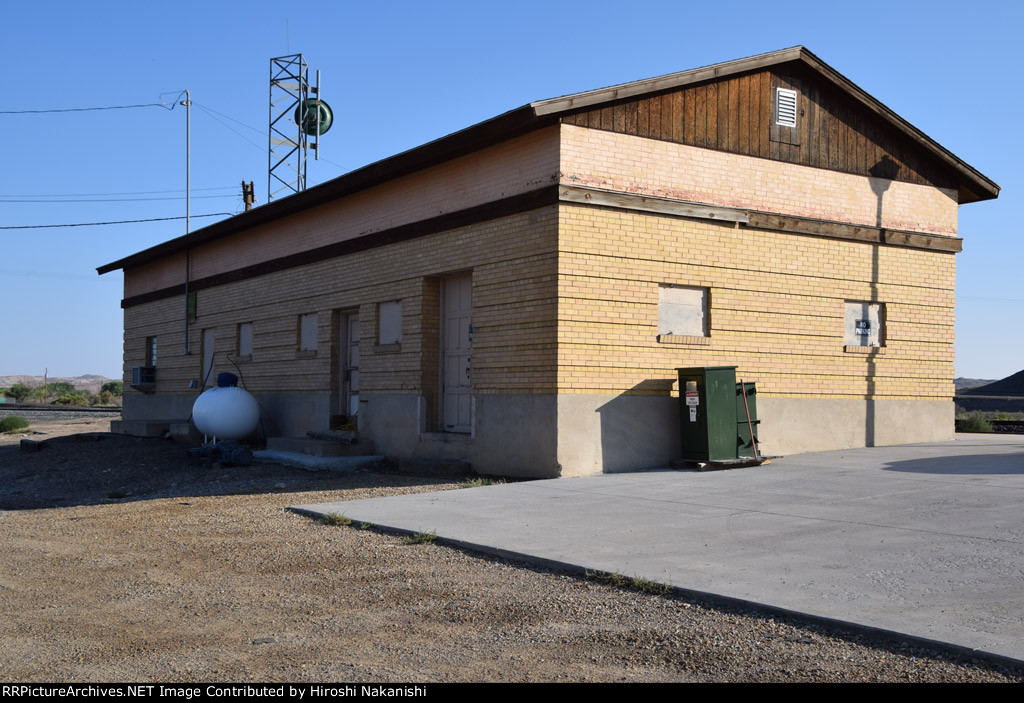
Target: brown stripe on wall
[[512, 205], [549, 195]]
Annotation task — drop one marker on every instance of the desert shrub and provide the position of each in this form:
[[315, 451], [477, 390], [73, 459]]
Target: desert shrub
[[71, 400], [973, 423], [106, 398], [13, 422], [55, 389], [19, 391], [113, 387]]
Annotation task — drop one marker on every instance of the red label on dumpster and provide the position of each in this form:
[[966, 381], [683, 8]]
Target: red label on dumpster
[[692, 398]]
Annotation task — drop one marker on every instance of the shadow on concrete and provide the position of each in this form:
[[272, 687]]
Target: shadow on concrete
[[966, 465], [640, 428], [79, 470]]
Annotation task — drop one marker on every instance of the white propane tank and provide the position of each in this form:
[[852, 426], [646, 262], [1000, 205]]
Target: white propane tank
[[226, 413]]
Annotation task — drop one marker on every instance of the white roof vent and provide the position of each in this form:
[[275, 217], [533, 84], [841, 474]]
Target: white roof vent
[[785, 107]]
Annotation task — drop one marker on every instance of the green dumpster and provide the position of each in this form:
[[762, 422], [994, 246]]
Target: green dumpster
[[713, 416]]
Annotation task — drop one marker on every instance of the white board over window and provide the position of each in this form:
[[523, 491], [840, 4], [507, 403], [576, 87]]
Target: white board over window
[[682, 311], [308, 332], [863, 324], [245, 339], [389, 322]]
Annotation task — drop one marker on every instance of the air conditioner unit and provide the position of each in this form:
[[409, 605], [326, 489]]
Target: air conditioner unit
[[144, 377]]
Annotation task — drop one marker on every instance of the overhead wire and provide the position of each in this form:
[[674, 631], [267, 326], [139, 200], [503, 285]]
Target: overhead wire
[[110, 200], [115, 222], [229, 127], [84, 109], [248, 126], [129, 192], [54, 274]]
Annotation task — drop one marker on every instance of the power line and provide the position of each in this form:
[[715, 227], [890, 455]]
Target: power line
[[113, 200], [229, 127], [115, 222], [84, 109], [51, 274], [229, 117], [130, 192], [248, 126]]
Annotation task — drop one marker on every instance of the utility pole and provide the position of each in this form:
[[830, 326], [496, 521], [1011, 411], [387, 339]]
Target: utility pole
[[187, 102]]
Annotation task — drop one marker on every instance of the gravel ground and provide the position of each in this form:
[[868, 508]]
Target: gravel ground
[[200, 574]]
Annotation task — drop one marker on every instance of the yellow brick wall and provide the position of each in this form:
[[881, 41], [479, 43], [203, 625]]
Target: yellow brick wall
[[776, 308], [629, 164], [513, 264], [565, 298]]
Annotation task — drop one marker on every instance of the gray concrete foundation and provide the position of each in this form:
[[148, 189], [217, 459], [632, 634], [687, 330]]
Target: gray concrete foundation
[[548, 435], [798, 425], [281, 414], [512, 435]]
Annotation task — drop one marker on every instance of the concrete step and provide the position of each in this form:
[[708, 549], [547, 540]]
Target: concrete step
[[185, 433], [319, 447], [434, 467], [141, 428], [350, 436]]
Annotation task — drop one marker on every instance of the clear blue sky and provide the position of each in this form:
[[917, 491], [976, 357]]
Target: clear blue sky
[[402, 73]]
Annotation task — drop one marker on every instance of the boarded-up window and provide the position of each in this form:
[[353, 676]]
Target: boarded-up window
[[308, 332], [245, 339], [683, 312], [864, 324], [389, 322]]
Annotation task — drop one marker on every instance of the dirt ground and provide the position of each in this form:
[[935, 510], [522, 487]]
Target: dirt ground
[[123, 560]]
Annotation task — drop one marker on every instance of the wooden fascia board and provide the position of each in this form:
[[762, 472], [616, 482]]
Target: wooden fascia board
[[643, 203], [567, 103], [988, 189], [758, 220]]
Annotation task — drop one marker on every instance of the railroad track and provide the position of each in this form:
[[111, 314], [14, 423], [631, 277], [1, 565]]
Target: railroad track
[[29, 407]]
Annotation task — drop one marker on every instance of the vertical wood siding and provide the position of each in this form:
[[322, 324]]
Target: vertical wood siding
[[736, 114]]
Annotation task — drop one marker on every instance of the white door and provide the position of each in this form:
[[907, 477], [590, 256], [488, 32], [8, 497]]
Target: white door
[[456, 333], [350, 366]]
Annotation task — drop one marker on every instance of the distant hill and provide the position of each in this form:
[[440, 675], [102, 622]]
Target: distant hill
[[88, 382], [962, 384], [1011, 385]]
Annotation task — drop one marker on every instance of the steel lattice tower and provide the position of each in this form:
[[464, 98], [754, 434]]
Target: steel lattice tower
[[289, 88]]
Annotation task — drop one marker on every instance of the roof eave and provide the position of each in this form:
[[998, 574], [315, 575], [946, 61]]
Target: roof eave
[[981, 187], [533, 116], [505, 126]]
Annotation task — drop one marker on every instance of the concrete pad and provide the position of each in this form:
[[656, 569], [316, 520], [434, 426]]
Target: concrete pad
[[307, 461], [925, 540]]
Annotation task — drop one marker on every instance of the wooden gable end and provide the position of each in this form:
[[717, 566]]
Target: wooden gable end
[[736, 114]]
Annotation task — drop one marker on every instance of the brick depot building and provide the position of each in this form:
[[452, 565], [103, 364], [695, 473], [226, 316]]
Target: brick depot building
[[519, 294]]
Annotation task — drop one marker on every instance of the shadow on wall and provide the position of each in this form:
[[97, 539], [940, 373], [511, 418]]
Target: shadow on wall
[[883, 174], [640, 428]]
